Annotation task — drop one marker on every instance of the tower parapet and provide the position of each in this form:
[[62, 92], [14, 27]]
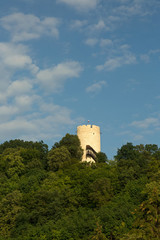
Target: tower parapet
[[89, 136]]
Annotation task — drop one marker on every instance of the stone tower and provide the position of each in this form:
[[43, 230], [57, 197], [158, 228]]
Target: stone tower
[[89, 136]]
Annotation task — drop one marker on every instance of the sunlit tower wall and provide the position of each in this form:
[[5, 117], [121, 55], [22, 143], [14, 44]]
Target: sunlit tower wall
[[89, 136]]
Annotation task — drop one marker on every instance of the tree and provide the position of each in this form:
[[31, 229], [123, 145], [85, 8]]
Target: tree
[[13, 162], [10, 206], [41, 147], [98, 235], [126, 152], [59, 158], [101, 157], [152, 148], [100, 191], [132, 162], [72, 143], [147, 222]]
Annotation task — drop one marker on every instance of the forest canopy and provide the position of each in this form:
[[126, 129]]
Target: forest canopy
[[52, 195]]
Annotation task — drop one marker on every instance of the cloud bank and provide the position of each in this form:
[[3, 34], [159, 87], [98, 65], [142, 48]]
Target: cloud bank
[[24, 27], [81, 5]]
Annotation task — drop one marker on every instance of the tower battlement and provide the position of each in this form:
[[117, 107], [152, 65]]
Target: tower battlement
[[89, 136]]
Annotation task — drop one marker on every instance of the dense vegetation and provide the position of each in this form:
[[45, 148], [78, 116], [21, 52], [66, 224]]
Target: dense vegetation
[[51, 195]]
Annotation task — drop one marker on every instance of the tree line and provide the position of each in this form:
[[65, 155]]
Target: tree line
[[52, 195]]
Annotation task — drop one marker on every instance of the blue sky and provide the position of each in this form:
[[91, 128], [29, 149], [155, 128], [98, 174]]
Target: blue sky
[[64, 62]]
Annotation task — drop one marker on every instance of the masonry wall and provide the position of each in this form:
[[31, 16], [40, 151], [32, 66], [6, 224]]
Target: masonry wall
[[89, 135]]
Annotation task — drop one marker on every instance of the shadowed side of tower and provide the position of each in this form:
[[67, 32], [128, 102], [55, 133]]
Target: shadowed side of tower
[[89, 136]]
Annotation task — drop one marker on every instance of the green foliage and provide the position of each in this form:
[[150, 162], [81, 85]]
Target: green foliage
[[58, 158], [100, 191], [9, 209], [147, 224], [13, 162], [126, 152], [17, 143], [98, 235], [52, 195], [101, 157], [133, 161], [72, 143]]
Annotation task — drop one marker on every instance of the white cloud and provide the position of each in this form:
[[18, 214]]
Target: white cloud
[[24, 102], [16, 88], [138, 137], [81, 5], [91, 41], [4, 78], [60, 114], [54, 78], [78, 24], [19, 87], [16, 106], [18, 61], [17, 127], [131, 135], [8, 110], [151, 53], [116, 62], [24, 113], [25, 27], [102, 42], [136, 7], [99, 26], [145, 58], [154, 51], [46, 122], [14, 56], [126, 9], [106, 42], [96, 87], [146, 123]]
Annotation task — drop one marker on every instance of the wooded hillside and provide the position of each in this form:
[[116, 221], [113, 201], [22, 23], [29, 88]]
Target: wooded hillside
[[51, 195]]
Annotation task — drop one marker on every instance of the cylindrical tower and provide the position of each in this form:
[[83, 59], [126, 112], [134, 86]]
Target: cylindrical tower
[[89, 136]]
